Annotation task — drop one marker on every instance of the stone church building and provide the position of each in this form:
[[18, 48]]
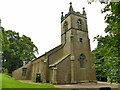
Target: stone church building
[[71, 61]]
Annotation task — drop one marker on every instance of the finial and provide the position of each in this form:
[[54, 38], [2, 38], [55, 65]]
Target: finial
[[62, 17], [83, 8], [70, 3], [71, 8], [62, 13], [84, 13]]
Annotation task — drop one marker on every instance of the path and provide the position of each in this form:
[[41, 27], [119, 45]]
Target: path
[[27, 81], [82, 85], [88, 85]]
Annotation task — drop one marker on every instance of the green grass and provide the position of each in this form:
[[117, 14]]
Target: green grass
[[9, 82]]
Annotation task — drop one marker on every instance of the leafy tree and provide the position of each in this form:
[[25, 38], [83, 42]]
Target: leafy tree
[[0, 48], [106, 61], [0, 37], [107, 53], [16, 49]]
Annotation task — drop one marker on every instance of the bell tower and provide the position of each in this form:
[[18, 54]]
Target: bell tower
[[74, 35]]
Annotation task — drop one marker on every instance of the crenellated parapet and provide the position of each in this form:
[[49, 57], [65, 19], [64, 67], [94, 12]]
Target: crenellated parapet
[[71, 11]]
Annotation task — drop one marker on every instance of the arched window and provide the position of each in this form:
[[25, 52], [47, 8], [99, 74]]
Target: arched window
[[65, 26], [82, 60], [79, 24]]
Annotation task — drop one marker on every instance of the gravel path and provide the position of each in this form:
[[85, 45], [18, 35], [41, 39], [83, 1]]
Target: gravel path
[[88, 85], [27, 81], [82, 85]]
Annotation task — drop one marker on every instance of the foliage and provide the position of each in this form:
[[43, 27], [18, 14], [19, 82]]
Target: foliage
[[0, 47], [9, 82], [107, 53], [0, 39], [16, 49]]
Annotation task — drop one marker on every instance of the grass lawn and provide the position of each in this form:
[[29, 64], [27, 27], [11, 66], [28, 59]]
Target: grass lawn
[[9, 82]]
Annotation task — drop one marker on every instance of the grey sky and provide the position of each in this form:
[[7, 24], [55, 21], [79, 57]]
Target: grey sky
[[40, 19]]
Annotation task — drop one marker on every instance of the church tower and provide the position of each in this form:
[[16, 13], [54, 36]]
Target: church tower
[[74, 35]]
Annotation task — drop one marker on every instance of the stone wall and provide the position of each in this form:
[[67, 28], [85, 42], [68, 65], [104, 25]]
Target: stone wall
[[63, 72], [18, 74]]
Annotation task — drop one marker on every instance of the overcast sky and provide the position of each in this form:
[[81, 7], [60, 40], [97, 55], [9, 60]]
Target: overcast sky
[[40, 19]]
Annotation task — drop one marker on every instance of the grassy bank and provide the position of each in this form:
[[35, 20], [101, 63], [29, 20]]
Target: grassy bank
[[9, 82]]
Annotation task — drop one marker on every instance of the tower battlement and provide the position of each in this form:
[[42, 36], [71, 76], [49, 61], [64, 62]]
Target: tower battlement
[[71, 11]]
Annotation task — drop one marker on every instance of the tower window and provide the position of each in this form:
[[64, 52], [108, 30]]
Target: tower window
[[79, 24], [65, 26], [81, 40], [82, 59]]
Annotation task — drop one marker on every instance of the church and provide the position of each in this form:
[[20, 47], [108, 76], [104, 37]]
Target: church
[[70, 62]]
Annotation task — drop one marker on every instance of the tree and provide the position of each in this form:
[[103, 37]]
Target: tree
[[16, 49], [105, 59], [107, 53], [0, 48]]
